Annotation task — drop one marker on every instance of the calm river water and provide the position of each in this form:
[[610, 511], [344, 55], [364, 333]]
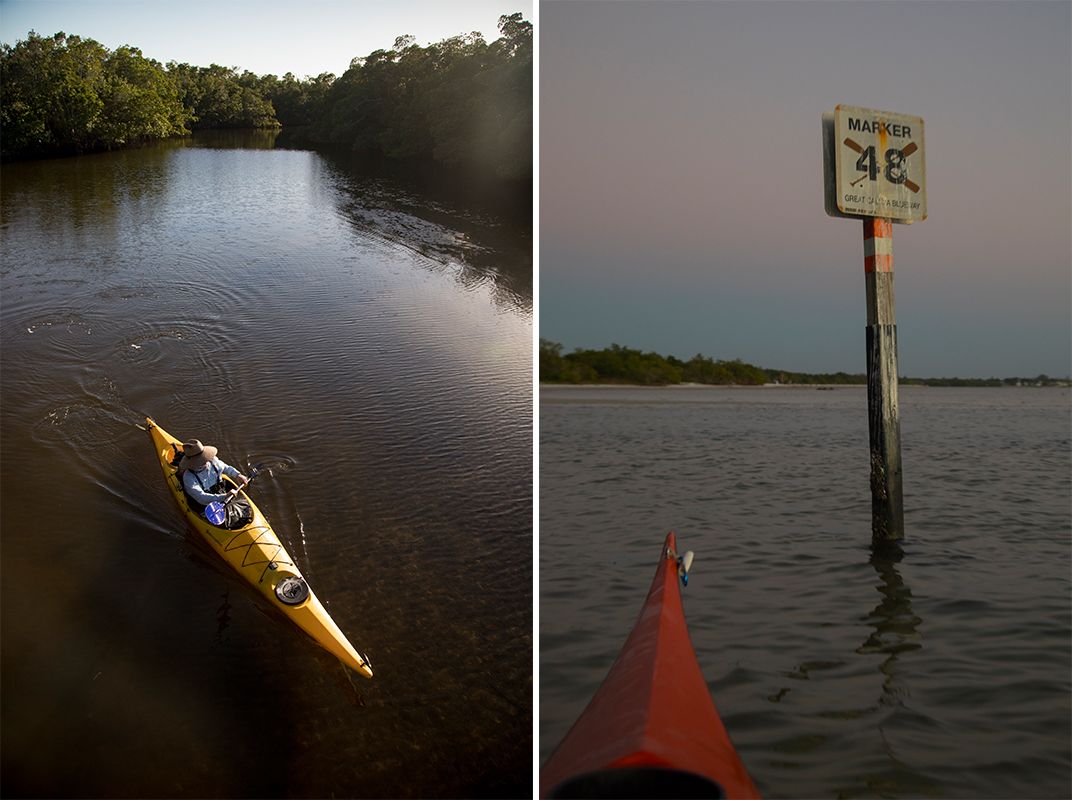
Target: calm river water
[[941, 669], [370, 335]]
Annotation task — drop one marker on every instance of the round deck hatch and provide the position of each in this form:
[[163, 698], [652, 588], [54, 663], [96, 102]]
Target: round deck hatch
[[292, 590]]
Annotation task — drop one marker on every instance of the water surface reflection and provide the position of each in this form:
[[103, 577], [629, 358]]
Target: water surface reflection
[[896, 626], [271, 303]]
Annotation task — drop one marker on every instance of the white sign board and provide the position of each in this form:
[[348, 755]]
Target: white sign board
[[880, 169]]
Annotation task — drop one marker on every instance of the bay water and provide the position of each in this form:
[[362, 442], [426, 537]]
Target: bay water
[[366, 331], [937, 668]]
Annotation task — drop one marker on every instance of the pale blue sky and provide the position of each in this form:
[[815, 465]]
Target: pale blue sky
[[306, 37], [681, 203]]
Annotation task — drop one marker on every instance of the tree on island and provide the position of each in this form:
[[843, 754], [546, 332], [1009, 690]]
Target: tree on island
[[618, 364]]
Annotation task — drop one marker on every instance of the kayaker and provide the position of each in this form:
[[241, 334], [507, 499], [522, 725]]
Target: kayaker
[[202, 479]]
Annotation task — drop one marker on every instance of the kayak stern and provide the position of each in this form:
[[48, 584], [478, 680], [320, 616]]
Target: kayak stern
[[257, 554]]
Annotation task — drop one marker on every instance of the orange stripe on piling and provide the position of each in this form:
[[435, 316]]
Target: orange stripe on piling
[[878, 264], [882, 228], [878, 245]]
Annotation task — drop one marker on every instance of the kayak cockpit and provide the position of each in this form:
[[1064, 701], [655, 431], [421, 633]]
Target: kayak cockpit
[[174, 462], [632, 783]]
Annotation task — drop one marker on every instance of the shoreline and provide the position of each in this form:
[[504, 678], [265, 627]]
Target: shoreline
[[555, 385], [791, 386]]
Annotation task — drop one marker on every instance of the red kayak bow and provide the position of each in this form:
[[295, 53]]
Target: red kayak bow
[[652, 729]]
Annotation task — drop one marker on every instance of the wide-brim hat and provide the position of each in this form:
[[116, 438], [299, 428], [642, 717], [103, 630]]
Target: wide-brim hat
[[195, 455]]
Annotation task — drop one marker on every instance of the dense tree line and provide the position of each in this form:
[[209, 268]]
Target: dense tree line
[[296, 102], [617, 364], [65, 94], [217, 97], [459, 102]]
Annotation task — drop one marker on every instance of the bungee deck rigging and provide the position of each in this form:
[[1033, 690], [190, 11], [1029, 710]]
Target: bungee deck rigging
[[255, 552]]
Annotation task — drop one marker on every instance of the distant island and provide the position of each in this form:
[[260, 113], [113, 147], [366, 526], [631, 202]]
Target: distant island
[[462, 102], [623, 365]]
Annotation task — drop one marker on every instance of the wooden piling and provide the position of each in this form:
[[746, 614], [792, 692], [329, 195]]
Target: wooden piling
[[884, 421]]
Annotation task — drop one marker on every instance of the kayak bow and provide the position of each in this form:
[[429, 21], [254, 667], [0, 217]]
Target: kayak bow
[[257, 555], [652, 729]]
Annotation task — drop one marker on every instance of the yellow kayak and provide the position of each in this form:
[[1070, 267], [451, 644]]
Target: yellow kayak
[[257, 555]]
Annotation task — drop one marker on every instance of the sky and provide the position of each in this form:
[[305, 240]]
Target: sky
[[306, 38], [681, 181], [680, 175]]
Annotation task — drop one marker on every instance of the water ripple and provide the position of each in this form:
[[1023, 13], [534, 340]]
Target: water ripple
[[838, 671]]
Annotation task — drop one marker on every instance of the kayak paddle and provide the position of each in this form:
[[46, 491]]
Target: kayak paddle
[[216, 513]]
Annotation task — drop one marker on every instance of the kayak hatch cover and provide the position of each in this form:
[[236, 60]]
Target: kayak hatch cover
[[257, 554]]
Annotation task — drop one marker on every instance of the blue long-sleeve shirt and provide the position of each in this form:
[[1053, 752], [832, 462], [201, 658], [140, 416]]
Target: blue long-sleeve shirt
[[198, 483]]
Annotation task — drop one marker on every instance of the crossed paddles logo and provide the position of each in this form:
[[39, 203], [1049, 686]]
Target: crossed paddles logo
[[896, 170]]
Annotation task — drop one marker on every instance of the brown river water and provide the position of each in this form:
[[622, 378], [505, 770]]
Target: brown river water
[[369, 335], [940, 668]]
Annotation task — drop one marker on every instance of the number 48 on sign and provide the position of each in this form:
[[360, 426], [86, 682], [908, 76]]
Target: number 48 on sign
[[878, 165]]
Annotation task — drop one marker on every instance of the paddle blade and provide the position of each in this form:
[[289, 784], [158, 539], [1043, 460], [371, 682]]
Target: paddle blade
[[216, 513], [686, 560], [684, 564]]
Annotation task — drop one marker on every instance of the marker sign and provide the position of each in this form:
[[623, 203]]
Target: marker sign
[[880, 168]]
